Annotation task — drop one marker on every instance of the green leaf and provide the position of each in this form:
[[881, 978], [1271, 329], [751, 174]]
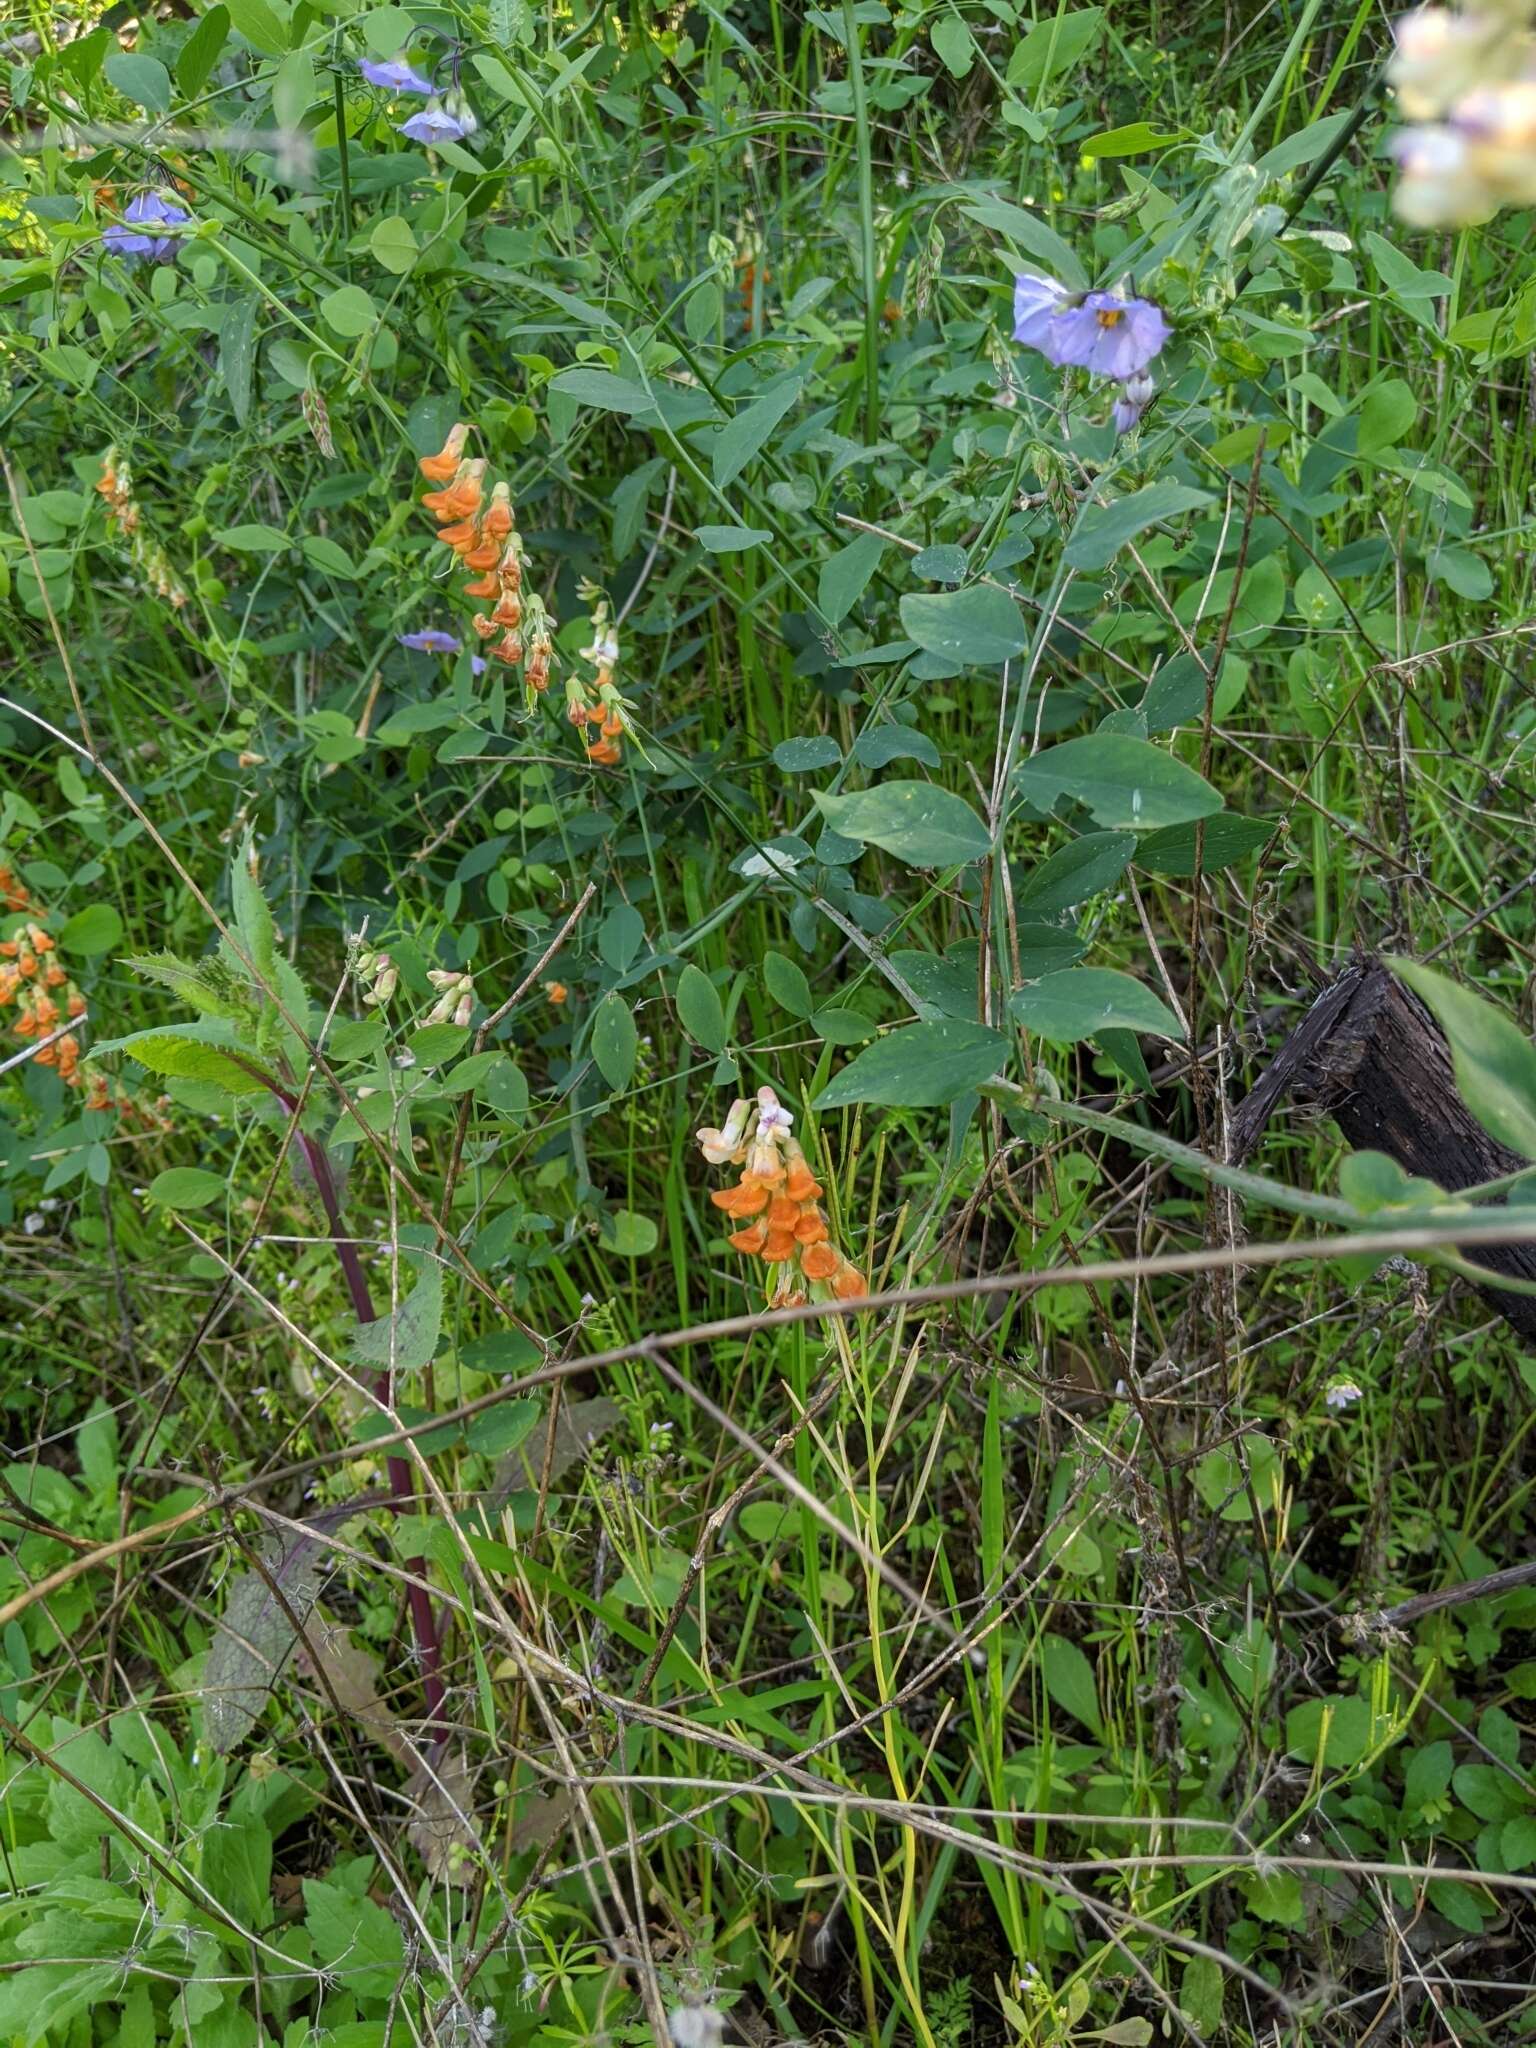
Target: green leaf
[[842, 1026], [1133, 140], [980, 627], [1070, 1682], [254, 539], [1029, 232], [253, 918], [1495, 1062], [845, 576], [1080, 1002], [1387, 411], [801, 756], [200, 52], [629, 1234], [1126, 784], [1055, 44], [1303, 147], [144, 80], [406, 1340], [187, 1187], [96, 929], [953, 45], [237, 353], [1428, 1775], [743, 436], [878, 746], [349, 311], [699, 1008], [204, 1051], [1076, 872], [394, 245], [615, 1041], [503, 1428], [356, 1941], [1227, 839], [1349, 1730], [1102, 531], [730, 540], [920, 823], [260, 25], [787, 985], [601, 388], [922, 1066]]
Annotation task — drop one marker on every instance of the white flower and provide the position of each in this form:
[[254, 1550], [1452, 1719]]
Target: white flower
[[768, 863], [721, 1147], [773, 1119], [696, 2026], [1439, 187], [604, 651], [1343, 1394]]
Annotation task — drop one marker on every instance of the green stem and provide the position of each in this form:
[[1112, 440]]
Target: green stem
[[851, 32]]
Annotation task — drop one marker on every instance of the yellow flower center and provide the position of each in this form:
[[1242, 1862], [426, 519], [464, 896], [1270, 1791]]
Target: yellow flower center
[[1110, 316]]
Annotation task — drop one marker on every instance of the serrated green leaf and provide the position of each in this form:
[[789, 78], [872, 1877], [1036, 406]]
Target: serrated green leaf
[[407, 1339], [205, 1051]]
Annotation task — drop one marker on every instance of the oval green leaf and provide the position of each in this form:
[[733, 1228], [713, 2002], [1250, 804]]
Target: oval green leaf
[[1127, 784], [923, 1066]]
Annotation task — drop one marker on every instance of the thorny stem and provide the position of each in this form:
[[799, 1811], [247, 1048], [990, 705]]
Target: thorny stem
[[429, 1649]]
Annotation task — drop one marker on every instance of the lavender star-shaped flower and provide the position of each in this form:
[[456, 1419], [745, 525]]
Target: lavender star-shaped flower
[[433, 125], [431, 640], [395, 76], [149, 211], [1109, 335]]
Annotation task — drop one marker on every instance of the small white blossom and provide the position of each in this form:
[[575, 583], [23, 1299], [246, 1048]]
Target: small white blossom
[[1343, 1394]]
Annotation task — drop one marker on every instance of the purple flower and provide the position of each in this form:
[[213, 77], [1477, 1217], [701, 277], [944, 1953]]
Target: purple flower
[[1102, 332], [478, 664], [1036, 302], [149, 210], [431, 641], [1135, 396], [433, 125], [395, 76]]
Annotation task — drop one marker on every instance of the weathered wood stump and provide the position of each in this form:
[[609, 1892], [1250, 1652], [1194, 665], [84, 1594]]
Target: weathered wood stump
[[1369, 1055]]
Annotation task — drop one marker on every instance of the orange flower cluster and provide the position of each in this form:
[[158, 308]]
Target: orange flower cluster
[[777, 1202], [115, 488], [44, 995], [594, 700], [45, 998], [486, 540]]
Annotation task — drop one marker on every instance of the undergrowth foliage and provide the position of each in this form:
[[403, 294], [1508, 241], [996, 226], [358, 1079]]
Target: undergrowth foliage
[[687, 697]]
